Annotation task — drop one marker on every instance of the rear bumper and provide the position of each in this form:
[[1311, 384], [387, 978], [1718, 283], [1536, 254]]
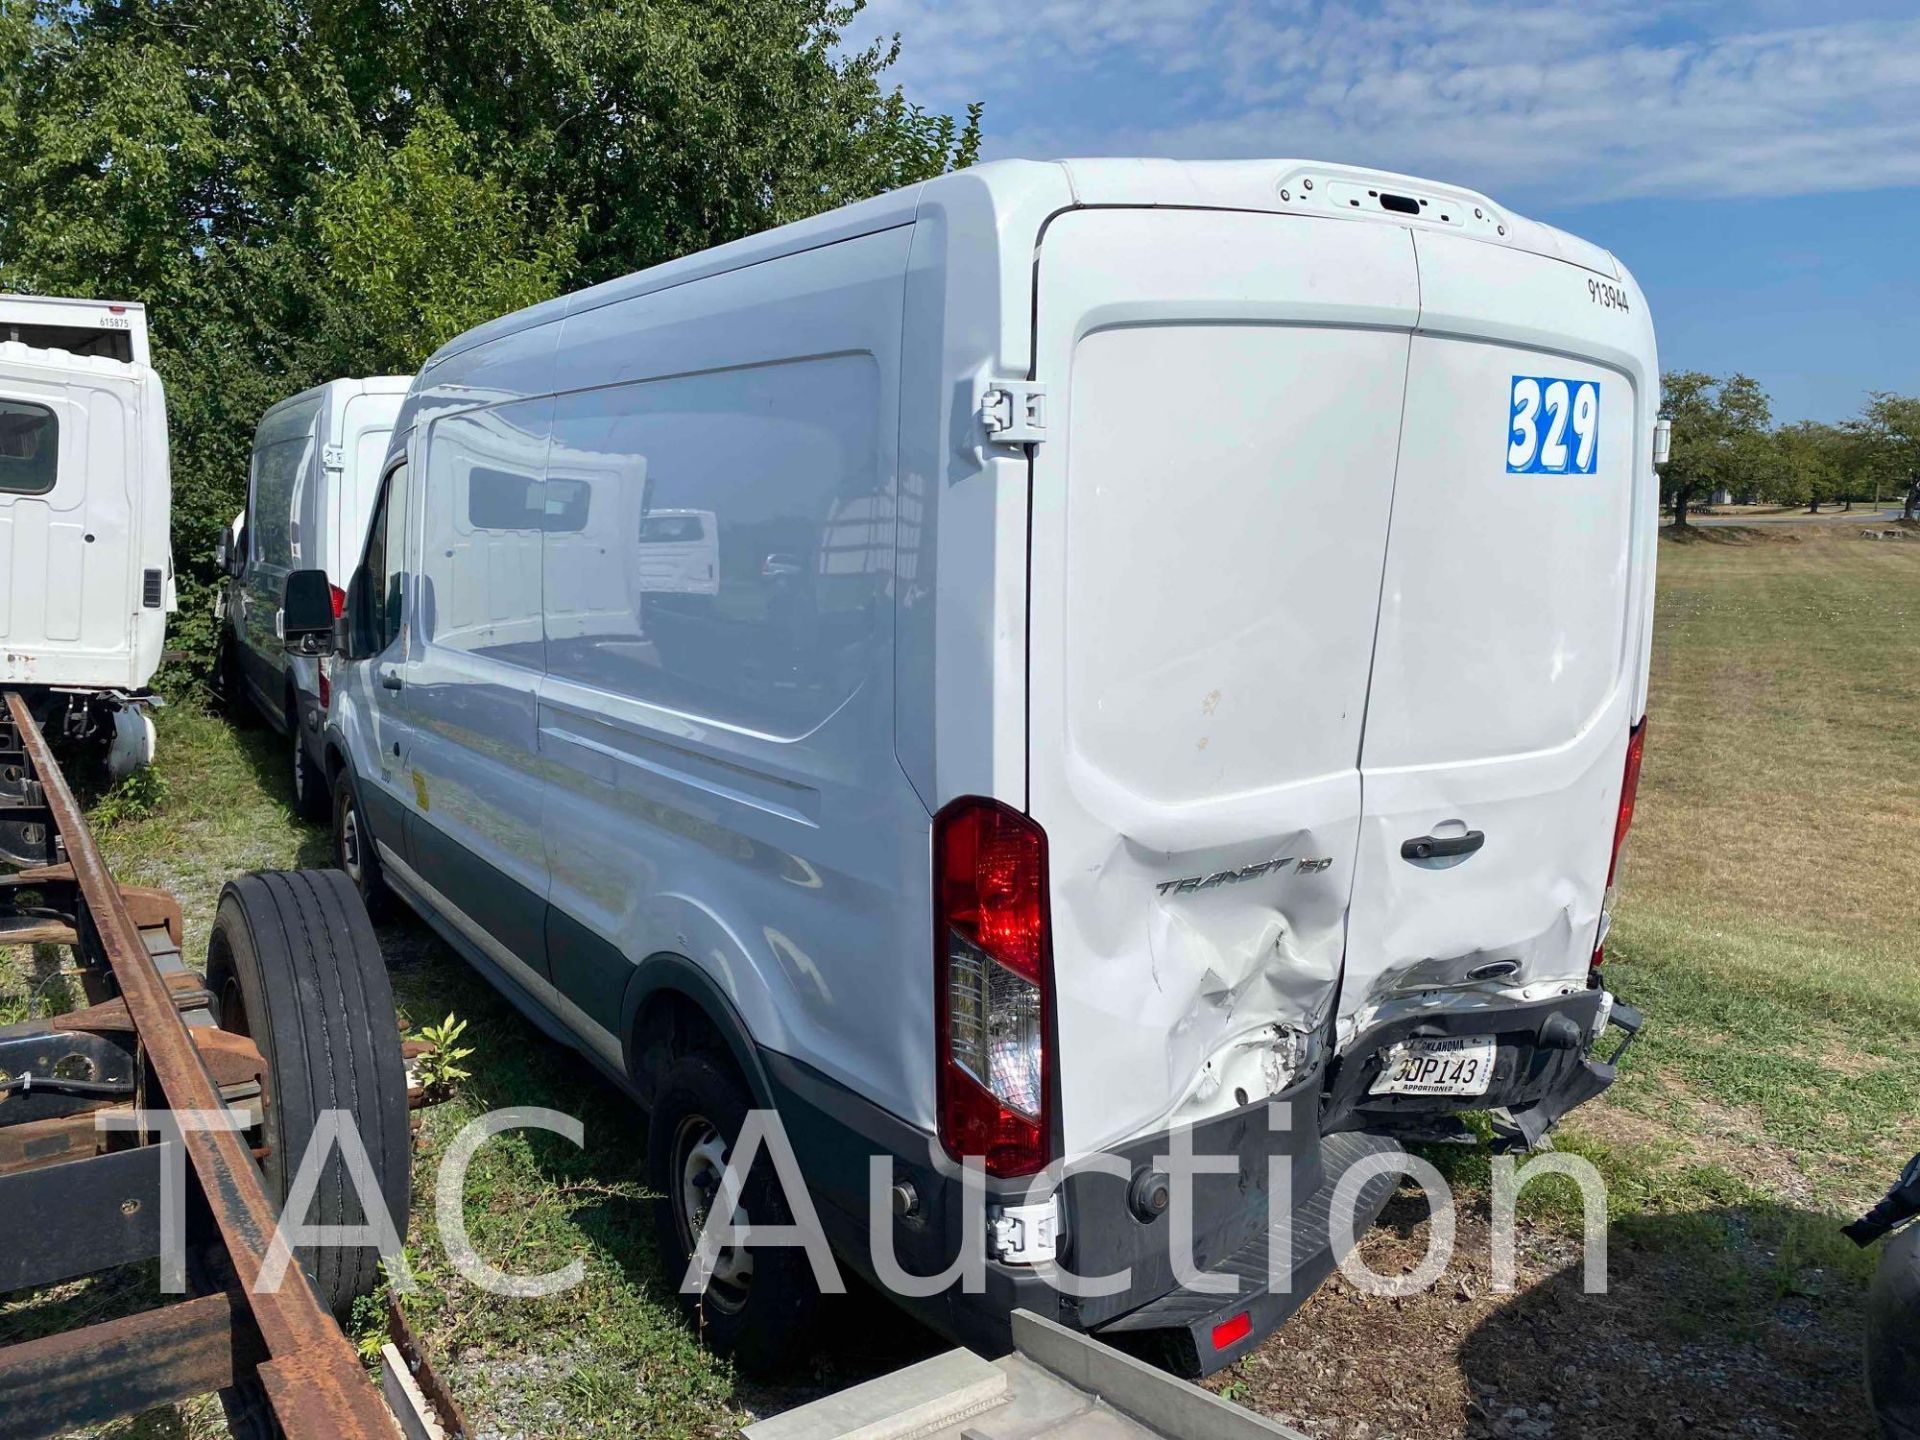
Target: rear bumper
[[835, 1133], [1547, 1062], [1314, 1134]]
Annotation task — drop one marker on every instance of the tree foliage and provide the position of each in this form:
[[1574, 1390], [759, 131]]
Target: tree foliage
[[1720, 438], [301, 189]]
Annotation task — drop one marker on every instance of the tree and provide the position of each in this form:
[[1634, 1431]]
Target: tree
[[1720, 438], [1889, 432], [301, 190], [1809, 466]]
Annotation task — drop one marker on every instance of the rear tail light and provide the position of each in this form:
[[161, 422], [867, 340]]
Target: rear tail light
[[1623, 821], [1232, 1332], [993, 985], [339, 598]]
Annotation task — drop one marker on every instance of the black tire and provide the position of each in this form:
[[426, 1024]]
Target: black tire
[[1893, 1337], [763, 1324], [354, 853], [230, 684], [308, 781], [293, 962]]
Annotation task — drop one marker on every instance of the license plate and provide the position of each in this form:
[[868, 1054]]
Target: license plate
[[1455, 1065]]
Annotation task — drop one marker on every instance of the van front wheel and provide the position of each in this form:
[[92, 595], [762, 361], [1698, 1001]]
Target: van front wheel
[[757, 1301], [353, 850]]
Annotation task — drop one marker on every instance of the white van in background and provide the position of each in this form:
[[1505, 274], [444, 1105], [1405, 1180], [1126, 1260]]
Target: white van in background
[[316, 459], [86, 567], [1173, 669]]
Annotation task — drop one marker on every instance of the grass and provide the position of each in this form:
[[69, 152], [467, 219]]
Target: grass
[[609, 1357], [1765, 928]]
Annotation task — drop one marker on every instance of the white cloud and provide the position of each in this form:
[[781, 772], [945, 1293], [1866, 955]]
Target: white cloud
[[1566, 100]]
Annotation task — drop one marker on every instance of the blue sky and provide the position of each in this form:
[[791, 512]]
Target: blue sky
[[1757, 166]]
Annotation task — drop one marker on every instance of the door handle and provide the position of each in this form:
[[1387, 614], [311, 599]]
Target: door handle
[[391, 680], [1436, 847]]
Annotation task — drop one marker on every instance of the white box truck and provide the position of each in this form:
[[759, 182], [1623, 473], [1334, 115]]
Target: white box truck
[[86, 569], [1173, 672]]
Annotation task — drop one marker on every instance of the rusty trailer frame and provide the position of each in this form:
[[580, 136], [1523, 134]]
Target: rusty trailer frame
[[78, 1198]]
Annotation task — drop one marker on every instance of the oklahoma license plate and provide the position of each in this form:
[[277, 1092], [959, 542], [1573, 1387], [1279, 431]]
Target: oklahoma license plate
[[1453, 1065]]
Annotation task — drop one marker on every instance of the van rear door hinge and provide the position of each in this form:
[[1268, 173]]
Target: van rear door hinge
[[1014, 411], [333, 457]]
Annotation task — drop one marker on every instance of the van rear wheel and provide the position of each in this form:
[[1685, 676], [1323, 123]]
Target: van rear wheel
[[758, 1301]]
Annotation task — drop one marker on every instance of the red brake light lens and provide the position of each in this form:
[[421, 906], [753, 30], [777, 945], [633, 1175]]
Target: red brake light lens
[[1623, 821], [993, 985], [1629, 792], [339, 598], [1229, 1332]]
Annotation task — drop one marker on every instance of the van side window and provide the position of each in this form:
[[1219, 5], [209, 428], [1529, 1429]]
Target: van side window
[[394, 558], [276, 474], [486, 504], [29, 447], [386, 561], [734, 553]]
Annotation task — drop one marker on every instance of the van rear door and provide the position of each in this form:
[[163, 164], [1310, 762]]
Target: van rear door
[[1507, 669], [1209, 522]]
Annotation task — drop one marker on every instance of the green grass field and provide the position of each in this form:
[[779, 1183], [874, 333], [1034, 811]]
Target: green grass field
[[1766, 928]]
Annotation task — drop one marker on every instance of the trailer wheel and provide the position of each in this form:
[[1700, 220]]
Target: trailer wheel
[[758, 1302], [294, 964]]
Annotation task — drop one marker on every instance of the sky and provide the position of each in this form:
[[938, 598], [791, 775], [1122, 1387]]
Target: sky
[[1756, 166]]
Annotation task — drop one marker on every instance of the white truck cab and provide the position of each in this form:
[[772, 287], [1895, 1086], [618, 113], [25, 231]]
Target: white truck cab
[[86, 568], [1173, 666]]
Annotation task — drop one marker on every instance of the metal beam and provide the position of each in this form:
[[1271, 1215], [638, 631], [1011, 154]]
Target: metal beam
[[88, 1377], [315, 1381]]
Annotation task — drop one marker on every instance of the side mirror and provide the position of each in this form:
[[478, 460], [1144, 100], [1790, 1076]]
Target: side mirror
[[223, 552], [307, 613]]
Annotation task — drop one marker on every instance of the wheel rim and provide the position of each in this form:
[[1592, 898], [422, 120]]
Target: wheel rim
[[351, 859], [700, 1160]]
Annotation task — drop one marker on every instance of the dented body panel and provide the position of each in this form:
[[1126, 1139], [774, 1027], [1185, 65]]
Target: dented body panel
[[1295, 610]]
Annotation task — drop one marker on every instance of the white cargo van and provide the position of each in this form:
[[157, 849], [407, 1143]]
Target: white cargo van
[[86, 569], [1174, 665], [316, 459]]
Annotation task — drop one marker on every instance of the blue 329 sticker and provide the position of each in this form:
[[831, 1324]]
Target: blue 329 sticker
[[1553, 426]]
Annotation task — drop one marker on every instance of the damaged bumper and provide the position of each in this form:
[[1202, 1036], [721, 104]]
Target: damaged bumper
[[1548, 1058]]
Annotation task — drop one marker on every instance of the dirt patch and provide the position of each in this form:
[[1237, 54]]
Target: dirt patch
[[1657, 1356], [1729, 535]]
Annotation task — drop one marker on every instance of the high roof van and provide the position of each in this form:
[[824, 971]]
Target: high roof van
[[1155, 655], [86, 564], [310, 481]]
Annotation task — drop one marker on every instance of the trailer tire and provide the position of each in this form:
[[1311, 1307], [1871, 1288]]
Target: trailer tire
[[293, 962], [763, 1325]]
